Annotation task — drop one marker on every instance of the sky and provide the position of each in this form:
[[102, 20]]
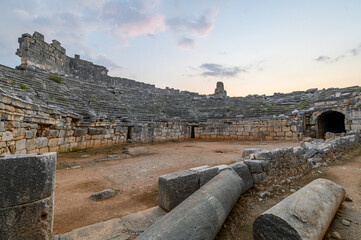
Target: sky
[[253, 47]]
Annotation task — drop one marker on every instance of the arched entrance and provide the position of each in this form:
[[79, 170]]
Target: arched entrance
[[330, 121]]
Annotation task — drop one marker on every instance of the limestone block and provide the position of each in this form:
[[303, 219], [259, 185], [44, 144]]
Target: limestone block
[[19, 133], [78, 132], [175, 187], [53, 133], [41, 142], [30, 133], [30, 144], [243, 172], [63, 133], [7, 136], [206, 174], [20, 145], [264, 155], [27, 221], [64, 148], [32, 175], [255, 166], [2, 126], [247, 152], [53, 142]]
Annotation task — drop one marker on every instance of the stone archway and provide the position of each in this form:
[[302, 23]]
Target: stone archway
[[330, 121]]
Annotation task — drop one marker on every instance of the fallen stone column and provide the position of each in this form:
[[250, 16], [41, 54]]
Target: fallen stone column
[[26, 196], [202, 214], [306, 214]]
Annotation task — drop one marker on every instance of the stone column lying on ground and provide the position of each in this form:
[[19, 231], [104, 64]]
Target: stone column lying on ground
[[202, 214], [306, 214], [26, 199]]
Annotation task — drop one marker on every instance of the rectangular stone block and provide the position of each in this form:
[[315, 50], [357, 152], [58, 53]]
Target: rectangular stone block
[[206, 174], [247, 152], [243, 172], [26, 178], [173, 188], [28, 221]]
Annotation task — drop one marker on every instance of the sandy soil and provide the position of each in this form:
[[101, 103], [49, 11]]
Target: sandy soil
[[346, 172], [134, 178]]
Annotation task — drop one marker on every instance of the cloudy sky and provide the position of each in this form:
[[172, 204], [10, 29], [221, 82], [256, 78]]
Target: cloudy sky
[[259, 46]]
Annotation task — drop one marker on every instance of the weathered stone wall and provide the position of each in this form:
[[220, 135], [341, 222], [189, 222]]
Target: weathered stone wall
[[278, 128], [259, 167], [36, 53], [29, 128]]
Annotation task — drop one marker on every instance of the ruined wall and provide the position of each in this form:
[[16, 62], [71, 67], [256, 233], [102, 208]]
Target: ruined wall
[[28, 128], [36, 53], [279, 128]]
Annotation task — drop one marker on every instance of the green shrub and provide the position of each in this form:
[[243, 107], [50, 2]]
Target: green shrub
[[228, 109], [23, 86], [55, 78], [63, 99], [51, 97], [93, 100]]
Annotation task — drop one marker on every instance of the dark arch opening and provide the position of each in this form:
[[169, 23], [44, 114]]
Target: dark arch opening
[[330, 121]]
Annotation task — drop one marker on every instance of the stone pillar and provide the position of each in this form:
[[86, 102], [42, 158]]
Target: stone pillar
[[26, 196], [201, 215], [306, 214]]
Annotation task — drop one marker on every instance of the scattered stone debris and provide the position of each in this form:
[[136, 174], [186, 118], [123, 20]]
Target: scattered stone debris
[[346, 222], [336, 235]]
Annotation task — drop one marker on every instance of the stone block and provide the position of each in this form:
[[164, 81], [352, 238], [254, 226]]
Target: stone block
[[30, 144], [26, 178], [206, 174], [247, 152], [243, 172], [255, 166], [102, 195], [78, 132], [30, 133], [53, 142], [20, 145], [7, 136], [27, 221], [53, 133], [259, 177], [175, 187], [310, 153], [264, 155], [41, 142]]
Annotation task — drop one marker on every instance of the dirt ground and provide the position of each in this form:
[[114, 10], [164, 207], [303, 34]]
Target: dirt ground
[[346, 172], [133, 172]]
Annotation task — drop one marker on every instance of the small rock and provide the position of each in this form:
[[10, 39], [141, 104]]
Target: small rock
[[74, 167], [263, 194], [112, 156], [84, 156], [319, 172], [283, 190], [346, 222], [292, 190], [260, 199], [348, 199], [102, 195], [336, 235]]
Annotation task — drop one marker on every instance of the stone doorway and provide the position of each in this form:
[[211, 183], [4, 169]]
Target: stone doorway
[[192, 132], [330, 121], [129, 133]]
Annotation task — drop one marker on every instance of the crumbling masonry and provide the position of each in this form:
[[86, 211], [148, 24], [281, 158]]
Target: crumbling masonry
[[55, 103]]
